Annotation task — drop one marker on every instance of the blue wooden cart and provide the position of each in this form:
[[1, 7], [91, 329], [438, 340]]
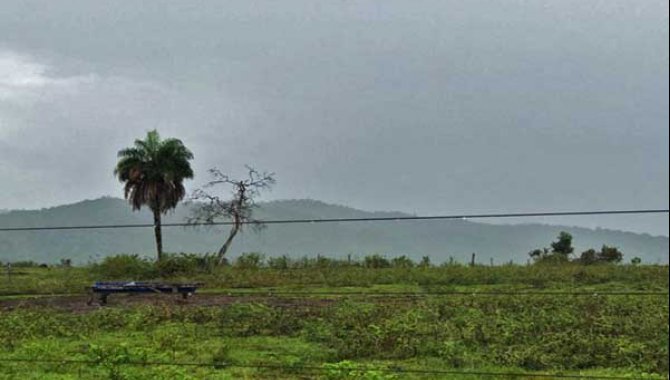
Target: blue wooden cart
[[102, 290]]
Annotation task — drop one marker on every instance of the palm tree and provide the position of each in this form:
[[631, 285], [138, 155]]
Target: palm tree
[[153, 171]]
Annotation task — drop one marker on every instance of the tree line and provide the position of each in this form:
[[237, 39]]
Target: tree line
[[561, 251]]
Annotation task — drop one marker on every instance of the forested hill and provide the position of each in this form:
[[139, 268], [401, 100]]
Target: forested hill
[[438, 239]]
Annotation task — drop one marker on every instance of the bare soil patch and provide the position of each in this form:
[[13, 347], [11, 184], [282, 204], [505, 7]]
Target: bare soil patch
[[78, 303]]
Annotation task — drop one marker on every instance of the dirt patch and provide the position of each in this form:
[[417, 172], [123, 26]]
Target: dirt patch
[[79, 303]]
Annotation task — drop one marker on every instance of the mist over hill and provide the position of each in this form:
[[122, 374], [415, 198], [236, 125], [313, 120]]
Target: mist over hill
[[439, 239]]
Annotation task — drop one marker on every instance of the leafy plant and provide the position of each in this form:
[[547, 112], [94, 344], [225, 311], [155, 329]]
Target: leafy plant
[[125, 267], [249, 260], [349, 370], [376, 261]]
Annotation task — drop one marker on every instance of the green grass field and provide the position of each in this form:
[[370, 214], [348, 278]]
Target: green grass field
[[342, 323]]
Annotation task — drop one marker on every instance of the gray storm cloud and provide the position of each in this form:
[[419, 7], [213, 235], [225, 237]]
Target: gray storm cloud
[[428, 107]]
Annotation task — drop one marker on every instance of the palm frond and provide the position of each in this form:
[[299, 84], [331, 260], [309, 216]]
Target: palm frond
[[153, 172]]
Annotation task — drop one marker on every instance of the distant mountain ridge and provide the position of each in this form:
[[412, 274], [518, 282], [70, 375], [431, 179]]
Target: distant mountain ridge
[[439, 239]]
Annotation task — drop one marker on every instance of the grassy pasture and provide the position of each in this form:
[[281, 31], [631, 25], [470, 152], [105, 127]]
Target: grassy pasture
[[247, 317]]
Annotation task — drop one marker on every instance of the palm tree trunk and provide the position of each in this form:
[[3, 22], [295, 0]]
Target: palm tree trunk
[[224, 248], [158, 233]]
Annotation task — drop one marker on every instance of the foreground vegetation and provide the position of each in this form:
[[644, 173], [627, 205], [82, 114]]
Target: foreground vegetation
[[330, 330], [253, 271]]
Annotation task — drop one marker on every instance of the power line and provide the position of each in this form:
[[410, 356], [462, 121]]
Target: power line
[[306, 368], [346, 220]]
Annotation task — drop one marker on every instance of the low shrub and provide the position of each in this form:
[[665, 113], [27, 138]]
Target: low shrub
[[281, 262], [126, 267], [135, 267], [376, 261], [184, 264], [249, 260], [25, 264], [402, 262]]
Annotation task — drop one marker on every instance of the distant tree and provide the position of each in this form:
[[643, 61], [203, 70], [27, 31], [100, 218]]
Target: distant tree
[[559, 253], [544, 255], [589, 257], [154, 171], [563, 246], [610, 255], [376, 261], [536, 253], [425, 262], [605, 255], [402, 262], [66, 263], [238, 210], [636, 261]]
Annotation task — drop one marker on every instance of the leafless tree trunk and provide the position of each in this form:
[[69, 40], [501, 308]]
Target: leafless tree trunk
[[224, 248], [239, 209]]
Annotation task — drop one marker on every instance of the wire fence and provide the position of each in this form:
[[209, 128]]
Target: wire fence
[[321, 369], [378, 294], [437, 293]]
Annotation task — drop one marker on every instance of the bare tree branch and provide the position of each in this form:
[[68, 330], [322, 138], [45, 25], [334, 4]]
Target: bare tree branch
[[239, 209]]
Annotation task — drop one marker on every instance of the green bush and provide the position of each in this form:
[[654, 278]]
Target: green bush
[[249, 319], [249, 260], [607, 255], [552, 259], [610, 254], [26, 264], [281, 262], [425, 262], [326, 262], [184, 264], [350, 371], [125, 267], [589, 257], [135, 267], [376, 261], [402, 262]]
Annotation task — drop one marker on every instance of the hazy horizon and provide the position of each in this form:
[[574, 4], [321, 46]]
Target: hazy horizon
[[544, 221]]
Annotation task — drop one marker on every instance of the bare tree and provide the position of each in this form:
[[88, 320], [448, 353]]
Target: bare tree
[[238, 210]]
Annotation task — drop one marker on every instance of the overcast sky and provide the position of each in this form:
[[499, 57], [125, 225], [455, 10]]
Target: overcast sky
[[428, 107]]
